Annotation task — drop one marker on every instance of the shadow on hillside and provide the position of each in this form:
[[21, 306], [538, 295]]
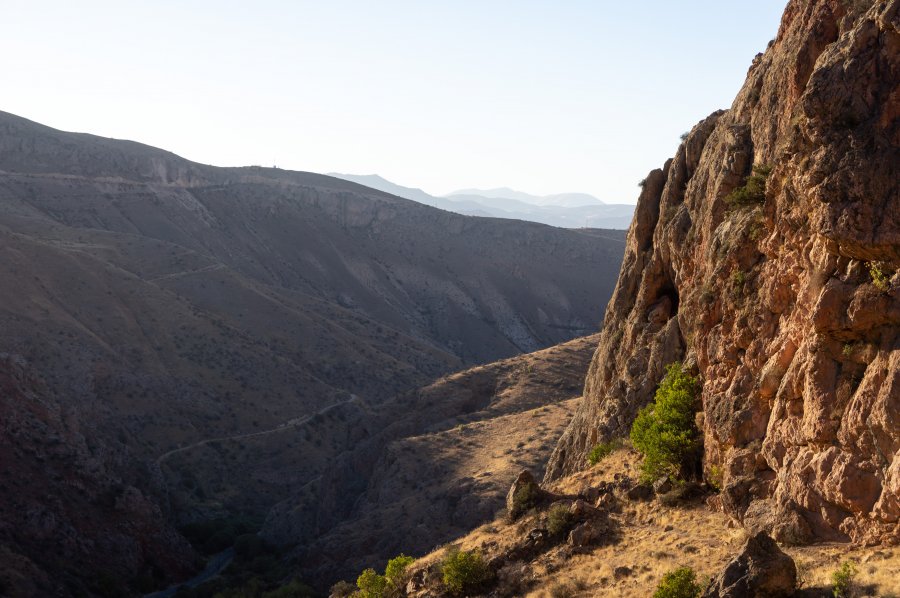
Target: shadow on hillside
[[828, 592]]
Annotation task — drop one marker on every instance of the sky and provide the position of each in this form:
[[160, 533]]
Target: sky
[[541, 96]]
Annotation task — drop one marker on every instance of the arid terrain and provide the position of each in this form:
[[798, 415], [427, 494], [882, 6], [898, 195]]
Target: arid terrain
[[290, 378], [224, 338], [645, 539], [763, 261], [477, 429]]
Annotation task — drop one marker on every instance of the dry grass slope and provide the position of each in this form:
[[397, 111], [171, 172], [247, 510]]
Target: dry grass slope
[[650, 540]]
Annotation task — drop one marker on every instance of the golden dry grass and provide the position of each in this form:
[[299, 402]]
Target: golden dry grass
[[656, 539]]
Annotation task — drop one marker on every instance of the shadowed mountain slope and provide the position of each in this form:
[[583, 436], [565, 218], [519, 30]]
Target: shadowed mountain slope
[[172, 304]]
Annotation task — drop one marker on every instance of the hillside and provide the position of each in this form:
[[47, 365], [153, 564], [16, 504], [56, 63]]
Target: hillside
[[475, 431], [180, 309], [641, 541]]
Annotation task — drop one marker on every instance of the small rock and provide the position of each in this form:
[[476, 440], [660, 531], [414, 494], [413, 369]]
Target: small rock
[[605, 502], [494, 564], [586, 533], [581, 509], [416, 582], [536, 536], [640, 492], [662, 485]]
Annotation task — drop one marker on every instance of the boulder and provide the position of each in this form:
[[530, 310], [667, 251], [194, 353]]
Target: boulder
[[581, 510], [762, 570], [534, 543], [640, 492], [662, 485], [606, 502], [524, 494], [587, 533]]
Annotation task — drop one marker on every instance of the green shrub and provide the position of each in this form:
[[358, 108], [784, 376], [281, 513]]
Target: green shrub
[[603, 450], [680, 583], [842, 580], [664, 431], [525, 498], [753, 191], [559, 520], [371, 585], [880, 279], [463, 571], [757, 230], [395, 570]]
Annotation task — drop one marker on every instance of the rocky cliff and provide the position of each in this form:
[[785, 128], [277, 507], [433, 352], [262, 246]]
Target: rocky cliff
[[764, 256]]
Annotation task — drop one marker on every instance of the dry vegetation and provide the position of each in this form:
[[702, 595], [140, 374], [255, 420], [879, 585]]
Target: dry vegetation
[[482, 427], [649, 540]]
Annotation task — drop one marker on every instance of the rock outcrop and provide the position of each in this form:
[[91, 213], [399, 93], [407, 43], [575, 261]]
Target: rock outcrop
[[761, 570], [786, 305]]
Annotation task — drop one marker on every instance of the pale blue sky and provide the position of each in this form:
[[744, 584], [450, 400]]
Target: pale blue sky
[[542, 96]]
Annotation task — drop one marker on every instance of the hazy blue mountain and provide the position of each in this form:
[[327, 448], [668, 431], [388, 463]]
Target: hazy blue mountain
[[569, 200], [381, 184], [565, 210]]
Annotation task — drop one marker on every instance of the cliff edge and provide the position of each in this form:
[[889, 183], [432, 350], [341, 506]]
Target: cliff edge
[[764, 256]]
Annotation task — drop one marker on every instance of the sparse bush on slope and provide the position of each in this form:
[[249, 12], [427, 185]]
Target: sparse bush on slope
[[464, 571], [680, 583], [603, 450], [395, 571], [753, 191], [842, 580], [371, 585], [559, 520]]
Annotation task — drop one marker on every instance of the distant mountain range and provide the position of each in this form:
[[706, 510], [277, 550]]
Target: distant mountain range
[[565, 210], [568, 200]]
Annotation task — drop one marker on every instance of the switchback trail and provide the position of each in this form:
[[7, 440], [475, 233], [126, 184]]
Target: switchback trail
[[291, 423]]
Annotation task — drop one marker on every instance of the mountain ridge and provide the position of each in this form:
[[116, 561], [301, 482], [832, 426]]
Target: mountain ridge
[[181, 308]]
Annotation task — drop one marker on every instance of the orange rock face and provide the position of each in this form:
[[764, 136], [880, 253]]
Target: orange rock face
[[787, 305]]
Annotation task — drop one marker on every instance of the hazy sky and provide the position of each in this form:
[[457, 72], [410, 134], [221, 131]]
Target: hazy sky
[[542, 96]]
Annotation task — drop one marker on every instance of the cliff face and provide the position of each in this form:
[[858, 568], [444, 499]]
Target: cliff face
[[787, 307]]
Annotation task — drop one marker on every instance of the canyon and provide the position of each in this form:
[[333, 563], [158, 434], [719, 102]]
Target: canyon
[[213, 341]]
